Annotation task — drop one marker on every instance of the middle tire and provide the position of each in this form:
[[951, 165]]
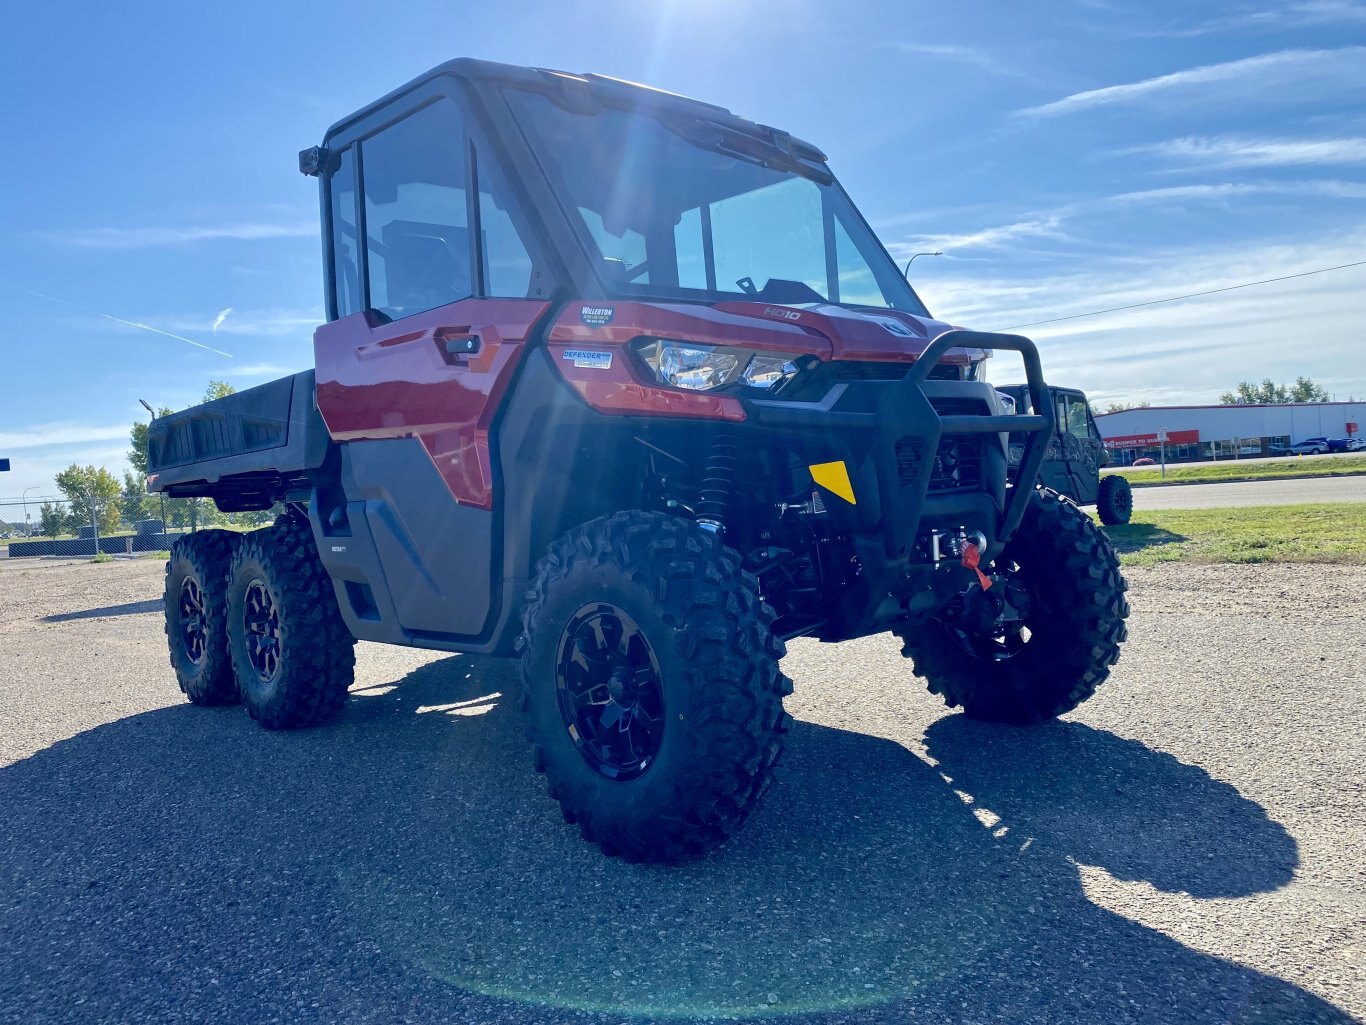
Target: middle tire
[[651, 685], [292, 654]]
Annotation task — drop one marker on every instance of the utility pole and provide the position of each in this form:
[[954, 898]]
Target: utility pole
[[24, 499]]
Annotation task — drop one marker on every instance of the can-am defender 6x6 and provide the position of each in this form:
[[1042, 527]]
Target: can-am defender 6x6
[[623, 385]]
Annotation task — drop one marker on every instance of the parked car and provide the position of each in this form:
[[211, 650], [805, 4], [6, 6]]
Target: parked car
[[1144, 461], [1356, 444], [1310, 447], [1339, 444]]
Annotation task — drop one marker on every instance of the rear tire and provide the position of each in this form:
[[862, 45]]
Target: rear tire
[[651, 685], [1076, 625], [293, 657], [1114, 500], [196, 615]]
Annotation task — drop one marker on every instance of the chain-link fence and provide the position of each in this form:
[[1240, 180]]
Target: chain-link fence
[[125, 525]]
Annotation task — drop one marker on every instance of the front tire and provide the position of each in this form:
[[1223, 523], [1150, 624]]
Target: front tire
[[292, 654], [1114, 500], [1074, 623], [196, 615], [651, 685]]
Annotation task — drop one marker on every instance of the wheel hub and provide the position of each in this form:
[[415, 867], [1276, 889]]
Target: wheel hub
[[610, 691]]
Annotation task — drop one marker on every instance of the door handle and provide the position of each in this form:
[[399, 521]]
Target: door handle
[[473, 347]]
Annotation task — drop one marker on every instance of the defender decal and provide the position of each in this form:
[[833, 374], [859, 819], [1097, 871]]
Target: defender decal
[[591, 359]]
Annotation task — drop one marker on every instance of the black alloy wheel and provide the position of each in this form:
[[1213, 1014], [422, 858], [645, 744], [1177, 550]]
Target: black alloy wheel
[[262, 621], [194, 625], [610, 691]]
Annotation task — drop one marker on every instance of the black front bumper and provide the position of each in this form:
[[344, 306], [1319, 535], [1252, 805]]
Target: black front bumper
[[895, 450]]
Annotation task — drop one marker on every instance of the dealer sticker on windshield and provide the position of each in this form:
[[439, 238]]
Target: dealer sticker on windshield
[[596, 316], [589, 358]]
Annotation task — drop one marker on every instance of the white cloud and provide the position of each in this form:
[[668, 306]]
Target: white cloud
[[960, 54], [218, 320], [1271, 19], [145, 238], [1286, 75], [61, 433], [1228, 151], [1187, 351], [1044, 226], [260, 370], [1048, 224]]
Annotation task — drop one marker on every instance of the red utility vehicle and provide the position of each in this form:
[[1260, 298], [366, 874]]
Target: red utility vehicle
[[622, 384]]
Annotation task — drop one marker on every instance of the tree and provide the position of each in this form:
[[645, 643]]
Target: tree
[[1271, 393], [83, 485], [218, 390], [135, 503], [1120, 407], [1305, 390], [51, 519]]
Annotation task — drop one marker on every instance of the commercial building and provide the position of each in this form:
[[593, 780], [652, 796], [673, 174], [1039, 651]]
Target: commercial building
[[1225, 432]]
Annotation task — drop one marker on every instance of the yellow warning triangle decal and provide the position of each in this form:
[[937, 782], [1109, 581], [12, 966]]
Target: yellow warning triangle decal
[[834, 477]]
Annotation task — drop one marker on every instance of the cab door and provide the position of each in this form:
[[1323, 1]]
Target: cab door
[[1081, 445], [435, 289]]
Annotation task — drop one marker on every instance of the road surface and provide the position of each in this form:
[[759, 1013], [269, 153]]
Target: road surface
[[1183, 848], [1252, 492]]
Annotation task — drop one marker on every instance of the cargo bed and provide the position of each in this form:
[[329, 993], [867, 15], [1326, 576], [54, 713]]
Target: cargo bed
[[244, 450]]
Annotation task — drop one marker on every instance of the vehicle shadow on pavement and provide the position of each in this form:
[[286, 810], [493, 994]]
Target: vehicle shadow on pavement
[[1128, 538], [404, 864], [132, 608]]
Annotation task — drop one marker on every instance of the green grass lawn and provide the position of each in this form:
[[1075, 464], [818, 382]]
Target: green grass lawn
[[1291, 466], [1272, 533]]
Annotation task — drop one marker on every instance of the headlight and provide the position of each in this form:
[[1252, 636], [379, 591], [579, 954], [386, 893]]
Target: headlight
[[769, 371], [698, 367]]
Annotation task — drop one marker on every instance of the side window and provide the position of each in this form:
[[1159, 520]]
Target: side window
[[345, 238], [1078, 418], [507, 264], [622, 253], [856, 282], [416, 225], [692, 255]]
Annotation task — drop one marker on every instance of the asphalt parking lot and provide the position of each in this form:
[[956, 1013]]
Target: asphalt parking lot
[[1187, 847]]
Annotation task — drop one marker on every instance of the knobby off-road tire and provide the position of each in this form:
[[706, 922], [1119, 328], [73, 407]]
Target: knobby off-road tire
[[292, 655], [1114, 500], [196, 615], [718, 683], [1076, 622]]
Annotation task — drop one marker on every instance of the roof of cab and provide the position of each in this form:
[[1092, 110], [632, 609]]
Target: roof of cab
[[611, 90]]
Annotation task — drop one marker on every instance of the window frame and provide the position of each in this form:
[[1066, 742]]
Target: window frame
[[476, 145]]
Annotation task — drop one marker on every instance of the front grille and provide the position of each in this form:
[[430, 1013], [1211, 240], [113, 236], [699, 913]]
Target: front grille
[[957, 462]]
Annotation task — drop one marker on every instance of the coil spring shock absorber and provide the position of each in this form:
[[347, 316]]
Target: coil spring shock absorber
[[718, 481]]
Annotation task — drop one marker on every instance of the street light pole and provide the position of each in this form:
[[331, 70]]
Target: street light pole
[[24, 499], [907, 272]]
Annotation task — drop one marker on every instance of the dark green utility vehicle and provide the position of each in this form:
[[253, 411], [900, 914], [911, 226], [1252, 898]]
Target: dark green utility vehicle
[[1072, 463]]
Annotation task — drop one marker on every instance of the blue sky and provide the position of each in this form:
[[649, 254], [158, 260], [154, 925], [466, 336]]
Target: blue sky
[[1067, 156]]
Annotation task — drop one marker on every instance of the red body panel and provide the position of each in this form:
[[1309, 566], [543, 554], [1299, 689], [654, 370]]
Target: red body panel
[[826, 332], [882, 335], [397, 380], [624, 388]]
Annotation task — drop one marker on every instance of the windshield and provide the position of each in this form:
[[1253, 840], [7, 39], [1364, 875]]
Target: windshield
[[666, 213]]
